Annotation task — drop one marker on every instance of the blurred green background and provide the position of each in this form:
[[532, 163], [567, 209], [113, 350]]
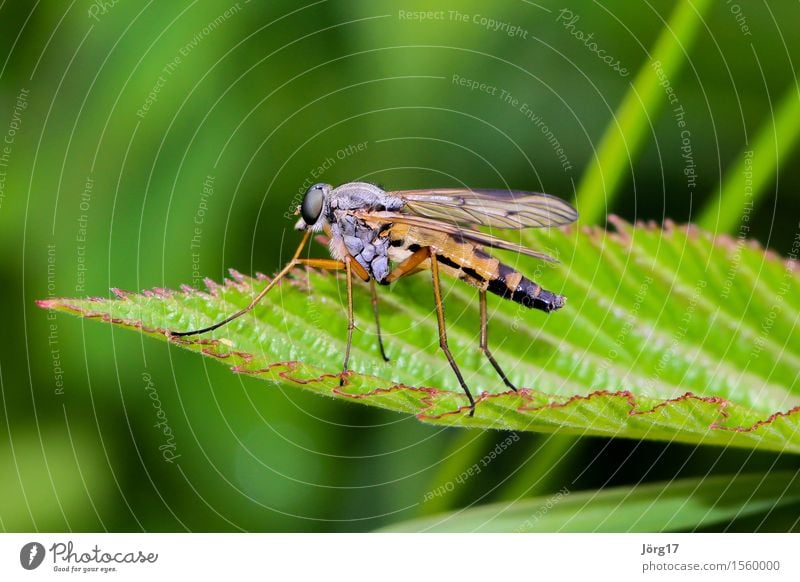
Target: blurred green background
[[154, 144]]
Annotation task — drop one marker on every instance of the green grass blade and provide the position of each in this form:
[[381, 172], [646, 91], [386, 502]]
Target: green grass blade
[[624, 135], [543, 468], [443, 491], [682, 505], [746, 181]]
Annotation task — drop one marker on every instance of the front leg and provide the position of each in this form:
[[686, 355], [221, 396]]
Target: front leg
[[334, 265], [351, 266], [374, 294], [348, 262]]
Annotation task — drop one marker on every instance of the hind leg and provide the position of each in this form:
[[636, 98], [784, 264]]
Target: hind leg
[[437, 297], [485, 341]]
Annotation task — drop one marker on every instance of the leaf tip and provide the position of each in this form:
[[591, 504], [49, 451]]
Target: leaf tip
[[212, 286], [237, 276], [693, 231], [121, 293], [621, 227]]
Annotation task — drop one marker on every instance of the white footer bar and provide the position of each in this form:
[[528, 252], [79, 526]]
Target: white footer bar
[[356, 557]]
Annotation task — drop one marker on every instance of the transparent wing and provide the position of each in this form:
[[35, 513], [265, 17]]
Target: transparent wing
[[494, 208], [375, 219]]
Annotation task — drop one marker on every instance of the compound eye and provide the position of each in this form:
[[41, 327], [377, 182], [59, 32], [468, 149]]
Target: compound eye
[[312, 205]]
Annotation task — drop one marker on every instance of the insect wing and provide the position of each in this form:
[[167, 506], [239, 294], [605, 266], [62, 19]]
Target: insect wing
[[376, 219], [494, 208]]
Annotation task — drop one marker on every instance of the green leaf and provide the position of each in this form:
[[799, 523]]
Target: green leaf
[[679, 505], [468, 448], [667, 334], [543, 468], [756, 167], [625, 135]]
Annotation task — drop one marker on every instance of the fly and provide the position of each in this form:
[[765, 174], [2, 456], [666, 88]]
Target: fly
[[382, 236]]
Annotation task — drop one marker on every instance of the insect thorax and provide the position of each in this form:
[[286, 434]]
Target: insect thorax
[[361, 241], [364, 244]]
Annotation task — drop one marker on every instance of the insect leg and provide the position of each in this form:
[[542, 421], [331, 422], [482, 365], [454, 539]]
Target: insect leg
[[377, 319], [437, 297], [334, 265], [407, 266], [257, 298], [350, 319], [331, 265], [485, 341], [327, 264]]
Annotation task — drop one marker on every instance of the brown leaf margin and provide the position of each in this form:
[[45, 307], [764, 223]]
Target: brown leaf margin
[[445, 407]]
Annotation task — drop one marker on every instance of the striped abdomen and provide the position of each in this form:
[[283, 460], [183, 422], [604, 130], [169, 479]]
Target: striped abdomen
[[511, 284], [505, 282], [465, 261]]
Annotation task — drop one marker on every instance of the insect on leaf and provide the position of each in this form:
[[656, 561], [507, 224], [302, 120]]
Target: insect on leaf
[[667, 335]]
